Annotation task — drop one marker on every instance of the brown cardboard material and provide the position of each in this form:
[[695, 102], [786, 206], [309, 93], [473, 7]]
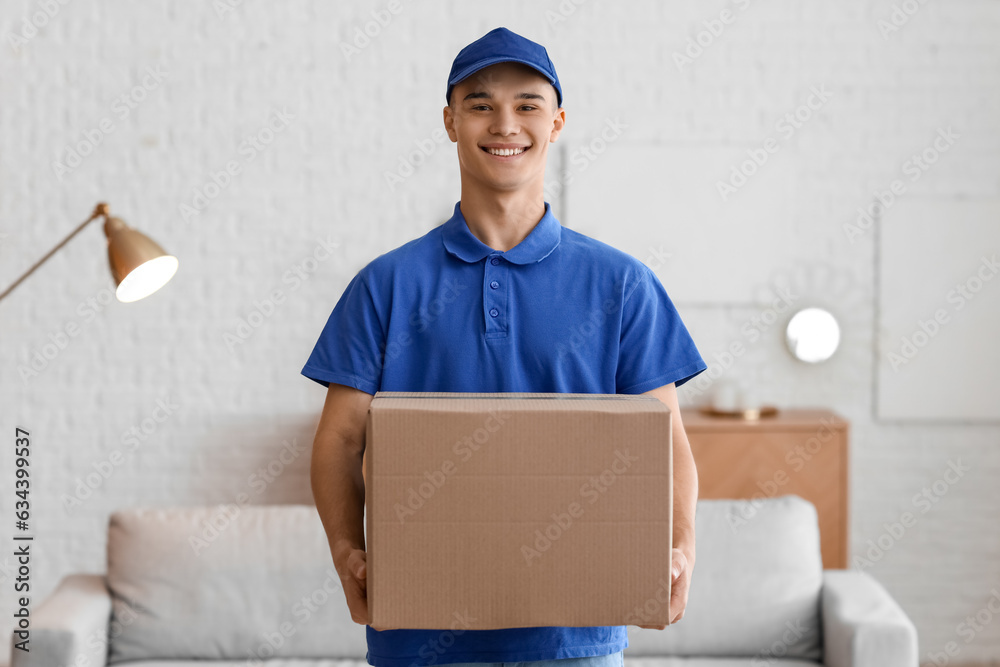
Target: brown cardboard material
[[510, 510]]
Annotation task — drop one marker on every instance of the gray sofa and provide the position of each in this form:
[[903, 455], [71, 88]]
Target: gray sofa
[[236, 585]]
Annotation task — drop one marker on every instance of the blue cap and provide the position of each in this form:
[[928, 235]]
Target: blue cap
[[502, 46]]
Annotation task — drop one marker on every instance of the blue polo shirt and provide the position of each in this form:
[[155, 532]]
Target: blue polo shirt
[[560, 312]]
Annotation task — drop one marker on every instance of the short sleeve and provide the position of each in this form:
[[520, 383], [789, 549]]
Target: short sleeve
[[349, 349], [655, 348]]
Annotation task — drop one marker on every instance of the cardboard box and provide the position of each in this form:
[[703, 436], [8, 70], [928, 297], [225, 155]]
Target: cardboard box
[[511, 510]]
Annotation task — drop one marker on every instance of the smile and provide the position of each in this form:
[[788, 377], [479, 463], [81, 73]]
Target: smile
[[505, 152]]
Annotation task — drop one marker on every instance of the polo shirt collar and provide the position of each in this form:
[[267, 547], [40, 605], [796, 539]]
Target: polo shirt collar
[[536, 246]]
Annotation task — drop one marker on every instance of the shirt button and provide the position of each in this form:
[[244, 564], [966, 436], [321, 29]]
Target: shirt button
[[494, 284], [495, 261], [494, 312]]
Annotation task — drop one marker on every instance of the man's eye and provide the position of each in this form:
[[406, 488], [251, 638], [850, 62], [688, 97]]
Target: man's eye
[[529, 107], [480, 106]]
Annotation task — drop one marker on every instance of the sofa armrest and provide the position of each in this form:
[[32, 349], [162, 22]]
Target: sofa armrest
[[69, 625], [862, 625]]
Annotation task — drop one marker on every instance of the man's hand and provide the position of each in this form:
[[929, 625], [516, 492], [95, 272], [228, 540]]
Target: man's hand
[[355, 582], [337, 477], [685, 502], [680, 584]]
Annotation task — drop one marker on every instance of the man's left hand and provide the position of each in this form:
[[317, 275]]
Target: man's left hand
[[680, 583]]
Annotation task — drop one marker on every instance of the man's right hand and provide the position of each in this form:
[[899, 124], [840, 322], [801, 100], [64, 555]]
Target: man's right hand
[[355, 582], [336, 475]]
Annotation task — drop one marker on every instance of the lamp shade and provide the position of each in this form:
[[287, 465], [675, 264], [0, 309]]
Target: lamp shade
[[139, 265]]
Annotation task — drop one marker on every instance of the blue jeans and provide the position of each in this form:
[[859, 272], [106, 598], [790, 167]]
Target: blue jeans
[[611, 660]]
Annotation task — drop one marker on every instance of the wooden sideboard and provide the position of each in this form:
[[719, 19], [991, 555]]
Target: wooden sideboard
[[797, 451]]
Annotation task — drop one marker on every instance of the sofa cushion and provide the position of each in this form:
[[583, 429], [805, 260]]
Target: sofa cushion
[[756, 586], [666, 661], [226, 582]]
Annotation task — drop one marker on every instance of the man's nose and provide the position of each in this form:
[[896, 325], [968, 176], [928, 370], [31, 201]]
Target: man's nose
[[504, 123]]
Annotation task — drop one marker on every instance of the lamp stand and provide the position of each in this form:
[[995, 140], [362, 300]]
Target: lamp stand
[[101, 210]]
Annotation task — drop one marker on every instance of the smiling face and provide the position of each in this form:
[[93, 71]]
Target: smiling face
[[503, 118]]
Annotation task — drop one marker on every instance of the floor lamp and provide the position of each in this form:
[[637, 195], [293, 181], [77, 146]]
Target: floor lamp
[[139, 265]]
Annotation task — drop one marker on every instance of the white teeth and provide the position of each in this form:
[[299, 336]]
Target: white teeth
[[505, 151]]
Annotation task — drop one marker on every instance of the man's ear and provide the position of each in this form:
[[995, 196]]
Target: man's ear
[[558, 123], [449, 124]]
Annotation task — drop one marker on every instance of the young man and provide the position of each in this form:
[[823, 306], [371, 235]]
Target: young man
[[500, 298]]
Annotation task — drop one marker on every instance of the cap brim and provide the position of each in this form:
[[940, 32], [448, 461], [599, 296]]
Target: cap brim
[[475, 67]]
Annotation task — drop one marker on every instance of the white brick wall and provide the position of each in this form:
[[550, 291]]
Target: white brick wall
[[321, 180]]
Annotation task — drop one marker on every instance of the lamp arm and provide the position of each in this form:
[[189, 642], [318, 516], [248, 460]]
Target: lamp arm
[[99, 211]]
